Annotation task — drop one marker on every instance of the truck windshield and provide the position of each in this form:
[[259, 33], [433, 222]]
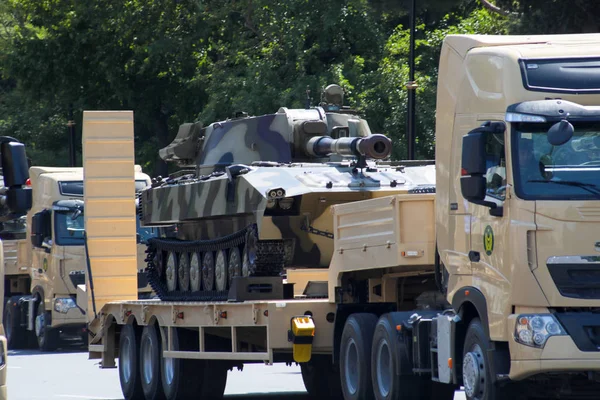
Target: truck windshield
[[546, 172], [143, 232], [68, 231]]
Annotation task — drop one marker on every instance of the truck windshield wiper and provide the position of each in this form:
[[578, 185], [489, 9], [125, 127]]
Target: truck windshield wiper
[[590, 187]]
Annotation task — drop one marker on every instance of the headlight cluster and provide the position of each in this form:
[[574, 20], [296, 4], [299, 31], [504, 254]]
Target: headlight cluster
[[63, 305], [535, 329], [285, 203]]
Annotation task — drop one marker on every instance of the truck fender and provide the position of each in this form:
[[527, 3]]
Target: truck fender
[[474, 297]]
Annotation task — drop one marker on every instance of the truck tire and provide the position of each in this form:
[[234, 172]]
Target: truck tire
[[320, 378], [179, 375], [476, 369], [391, 367], [150, 364], [47, 337], [129, 373], [355, 356], [16, 335]]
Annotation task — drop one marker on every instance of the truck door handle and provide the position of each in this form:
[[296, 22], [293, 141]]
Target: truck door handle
[[474, 256]]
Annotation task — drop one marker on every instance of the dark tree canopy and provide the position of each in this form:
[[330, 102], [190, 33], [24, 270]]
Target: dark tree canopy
[[174, 62]]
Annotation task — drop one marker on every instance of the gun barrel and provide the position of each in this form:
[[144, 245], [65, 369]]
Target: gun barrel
[[374, 146]]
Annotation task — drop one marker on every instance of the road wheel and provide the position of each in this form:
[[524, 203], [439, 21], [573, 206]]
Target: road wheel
[[47, 338], [320, 378], [171, 272], [180, 376], [195, 272], [208, 271], [15, 333], [129, 375], [221, 270], [184, 272], [355, 356], [150, 363], [477, 373], [235, 264]]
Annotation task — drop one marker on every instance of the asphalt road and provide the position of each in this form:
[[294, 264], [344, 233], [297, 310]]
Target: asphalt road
[[69, 375]]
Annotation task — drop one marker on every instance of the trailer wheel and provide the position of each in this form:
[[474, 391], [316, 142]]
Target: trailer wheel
[[477, 374], [179, 375], [320, 378], [355, 356], [15, 333], [129, 375], [47, 338], [150, 360]]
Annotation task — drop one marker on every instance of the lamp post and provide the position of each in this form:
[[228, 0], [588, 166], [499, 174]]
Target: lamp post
[[411, 85], [71, 126]]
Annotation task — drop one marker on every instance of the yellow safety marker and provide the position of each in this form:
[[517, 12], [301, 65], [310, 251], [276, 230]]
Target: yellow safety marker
[[301, 335]]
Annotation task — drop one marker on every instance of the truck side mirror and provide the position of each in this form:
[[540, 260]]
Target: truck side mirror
[[40, 228], [472, 180], [15, 169], [473, 183]]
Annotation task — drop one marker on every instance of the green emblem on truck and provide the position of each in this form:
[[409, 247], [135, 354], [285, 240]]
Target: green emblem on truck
[[488, 240], [45, 265]]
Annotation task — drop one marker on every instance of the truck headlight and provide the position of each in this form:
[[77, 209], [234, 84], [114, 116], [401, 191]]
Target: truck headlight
[[63, 305], [535, 329]]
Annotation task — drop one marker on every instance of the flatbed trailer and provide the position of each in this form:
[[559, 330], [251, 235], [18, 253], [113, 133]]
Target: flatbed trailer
[[248, 331]]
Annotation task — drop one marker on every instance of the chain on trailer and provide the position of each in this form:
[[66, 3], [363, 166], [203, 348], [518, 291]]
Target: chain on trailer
[[269, 261]]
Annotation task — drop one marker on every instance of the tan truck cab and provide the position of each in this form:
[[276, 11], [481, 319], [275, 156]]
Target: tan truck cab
[[51, 264]]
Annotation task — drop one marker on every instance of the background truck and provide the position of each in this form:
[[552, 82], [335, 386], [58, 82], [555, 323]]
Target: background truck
[[15, 202], [489, 282], [45, 260]]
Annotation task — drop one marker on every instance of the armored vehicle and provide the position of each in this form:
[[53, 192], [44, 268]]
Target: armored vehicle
[[253, 195]]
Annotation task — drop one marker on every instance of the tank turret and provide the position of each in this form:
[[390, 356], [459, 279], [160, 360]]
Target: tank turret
[[255, 193]]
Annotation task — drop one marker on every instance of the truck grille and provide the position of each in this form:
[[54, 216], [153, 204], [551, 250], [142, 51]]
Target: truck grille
[[578, 281]]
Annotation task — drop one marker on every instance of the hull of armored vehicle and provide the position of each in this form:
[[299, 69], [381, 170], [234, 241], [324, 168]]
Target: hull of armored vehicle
[[258, 200]]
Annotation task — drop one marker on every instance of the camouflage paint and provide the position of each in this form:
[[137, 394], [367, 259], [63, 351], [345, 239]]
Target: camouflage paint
[[273, 150]]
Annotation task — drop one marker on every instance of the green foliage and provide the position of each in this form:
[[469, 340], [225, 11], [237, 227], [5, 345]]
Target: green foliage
[[174, 62], [552, 16], [386, 102]]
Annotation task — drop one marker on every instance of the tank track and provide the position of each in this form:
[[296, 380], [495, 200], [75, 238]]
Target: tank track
[[269, 261]]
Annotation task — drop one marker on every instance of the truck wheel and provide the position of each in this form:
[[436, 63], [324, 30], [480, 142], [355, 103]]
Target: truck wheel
[[15, 333], [387, 352], [477, 374], [355, 356], [179, 375], [320, 378], [150, 360], [129, 345], [47, 337]]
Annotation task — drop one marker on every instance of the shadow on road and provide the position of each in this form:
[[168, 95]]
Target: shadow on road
[[66, 347]]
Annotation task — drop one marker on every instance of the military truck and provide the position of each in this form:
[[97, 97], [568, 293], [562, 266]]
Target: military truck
[[45, 264], [489, 283], [15, 201]]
